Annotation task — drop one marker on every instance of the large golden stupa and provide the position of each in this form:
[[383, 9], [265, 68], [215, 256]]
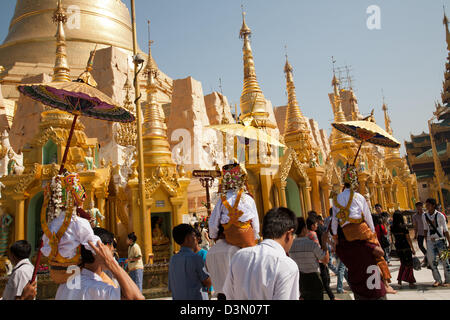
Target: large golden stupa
[[29, 47], [31, 35]]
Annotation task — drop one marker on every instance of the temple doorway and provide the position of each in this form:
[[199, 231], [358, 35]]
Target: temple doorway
[[293, 197], [34, 229]]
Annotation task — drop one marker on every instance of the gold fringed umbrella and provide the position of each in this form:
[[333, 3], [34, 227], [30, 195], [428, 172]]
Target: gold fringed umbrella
[[367, 131], [247, 131]]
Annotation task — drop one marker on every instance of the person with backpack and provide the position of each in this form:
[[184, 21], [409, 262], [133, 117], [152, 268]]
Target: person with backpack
[[436, 236]]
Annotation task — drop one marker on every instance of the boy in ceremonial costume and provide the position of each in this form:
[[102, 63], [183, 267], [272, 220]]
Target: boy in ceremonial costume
[[65, 224], [236, 210], [352, 213]]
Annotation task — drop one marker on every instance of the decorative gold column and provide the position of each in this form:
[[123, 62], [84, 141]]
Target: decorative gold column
[[315, 175], [326, 195], [282, 188], [19, 218], [135, 211], [177, 218], [265, 191]]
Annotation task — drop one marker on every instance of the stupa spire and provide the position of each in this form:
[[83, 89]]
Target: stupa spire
[[61, 70], [446, 84], [297, 134], [156, 145], [387, 119], [294, 117], [253, 103]]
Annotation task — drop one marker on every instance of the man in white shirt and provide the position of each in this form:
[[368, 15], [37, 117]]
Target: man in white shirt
[[22, 272], [93, 283], [218, 262], [436, 235], [265, 272]]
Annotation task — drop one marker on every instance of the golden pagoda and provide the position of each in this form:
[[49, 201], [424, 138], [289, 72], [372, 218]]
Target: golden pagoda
[[165, 184], [42, 156]]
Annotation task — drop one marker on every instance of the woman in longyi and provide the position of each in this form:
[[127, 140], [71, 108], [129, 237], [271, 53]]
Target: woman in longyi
[[236, 209]]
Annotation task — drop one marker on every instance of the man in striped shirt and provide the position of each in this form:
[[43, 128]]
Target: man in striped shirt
[[307, 254]]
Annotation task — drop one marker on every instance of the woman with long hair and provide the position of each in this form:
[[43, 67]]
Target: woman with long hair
[[405, 249]]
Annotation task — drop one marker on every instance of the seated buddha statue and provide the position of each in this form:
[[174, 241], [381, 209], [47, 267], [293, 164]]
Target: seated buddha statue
[[158, 236]]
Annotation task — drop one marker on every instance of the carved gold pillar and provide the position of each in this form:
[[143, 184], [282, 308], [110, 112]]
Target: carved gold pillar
[[315, 175], [177, 217], [307, 197], [265, 191], [135, 213], [19, 218], [326, 194], [282, 191], [146, 227], [89, 196]]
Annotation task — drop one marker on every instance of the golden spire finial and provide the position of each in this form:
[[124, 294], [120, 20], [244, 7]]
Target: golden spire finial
[[253, 102], [86, 76], [297, 134], [387, 119], [245, 30], [61, 71], [151, 67], [447, 32]]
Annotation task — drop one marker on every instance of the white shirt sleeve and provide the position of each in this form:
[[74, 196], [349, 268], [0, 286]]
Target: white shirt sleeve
[[425, 223], [287, 286], [443, 223], [85, 233], [214, 220], [20, 280]]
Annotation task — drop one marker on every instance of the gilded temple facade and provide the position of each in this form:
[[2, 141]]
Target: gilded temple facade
[[429, 153], [300, 176]]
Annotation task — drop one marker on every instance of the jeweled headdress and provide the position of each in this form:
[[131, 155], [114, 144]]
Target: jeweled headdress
[[351, 176], [234, 178], [64, 192]]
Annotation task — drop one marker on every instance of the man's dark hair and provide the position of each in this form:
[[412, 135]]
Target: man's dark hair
[[310, 222], [198, 235], [21, 249], [419, 204], [301, 224], [277, 222], [312, 213], [106, 237], [132, 236], [378, 205], [347, 185], [432, 202], [221, 231], [181, 231]]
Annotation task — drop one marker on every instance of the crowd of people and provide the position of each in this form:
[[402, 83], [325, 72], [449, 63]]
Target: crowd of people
[[232, 257]]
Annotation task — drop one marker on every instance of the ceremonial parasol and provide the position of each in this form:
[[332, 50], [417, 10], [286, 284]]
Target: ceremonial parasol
[[79, 98], [367, 131], [247, 131]]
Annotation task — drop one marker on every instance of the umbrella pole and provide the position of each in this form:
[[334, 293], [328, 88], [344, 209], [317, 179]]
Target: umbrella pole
[[69, 140], [357, 154], [61, 170]]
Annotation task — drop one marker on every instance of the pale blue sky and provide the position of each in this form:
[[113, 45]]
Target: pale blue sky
[[406, 58]]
